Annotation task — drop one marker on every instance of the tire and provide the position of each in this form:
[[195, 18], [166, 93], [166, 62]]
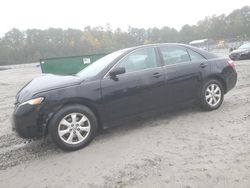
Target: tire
[[73, 127], [212, 95]]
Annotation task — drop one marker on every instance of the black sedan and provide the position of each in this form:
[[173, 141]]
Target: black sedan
[[71, 109], [243, 52]]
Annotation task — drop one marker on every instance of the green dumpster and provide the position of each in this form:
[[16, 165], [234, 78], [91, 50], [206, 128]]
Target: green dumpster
[[68, 65]]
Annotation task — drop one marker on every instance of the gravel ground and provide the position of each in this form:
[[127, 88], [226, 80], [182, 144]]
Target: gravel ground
[[182, 148]]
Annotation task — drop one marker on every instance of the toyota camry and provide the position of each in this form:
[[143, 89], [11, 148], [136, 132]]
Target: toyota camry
[[71, 109]]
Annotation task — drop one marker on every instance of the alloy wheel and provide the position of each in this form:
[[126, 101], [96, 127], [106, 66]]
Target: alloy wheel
[[213, 94], [74, 128]]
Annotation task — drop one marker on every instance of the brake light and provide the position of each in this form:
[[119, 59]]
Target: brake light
[[231, 63]]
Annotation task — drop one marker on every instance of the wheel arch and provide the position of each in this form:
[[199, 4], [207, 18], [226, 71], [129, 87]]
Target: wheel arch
[[220, 79], [77, 101]]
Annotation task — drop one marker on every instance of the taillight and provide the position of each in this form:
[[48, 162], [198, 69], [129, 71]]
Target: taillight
[[231, 63]]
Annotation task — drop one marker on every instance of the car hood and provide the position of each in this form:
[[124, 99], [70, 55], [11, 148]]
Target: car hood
[[239, 51], [44, 83]]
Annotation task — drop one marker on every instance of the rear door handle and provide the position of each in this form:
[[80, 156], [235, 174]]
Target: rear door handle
[[156, 75], [203, 65]]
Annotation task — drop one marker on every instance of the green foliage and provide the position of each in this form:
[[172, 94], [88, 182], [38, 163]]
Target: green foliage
[[33, 44]]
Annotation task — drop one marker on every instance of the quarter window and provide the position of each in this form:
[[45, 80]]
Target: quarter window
[[139, 60], [195, 56], [173, 55]]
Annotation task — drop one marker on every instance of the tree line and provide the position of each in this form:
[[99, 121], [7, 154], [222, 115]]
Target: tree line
[[33, 44]]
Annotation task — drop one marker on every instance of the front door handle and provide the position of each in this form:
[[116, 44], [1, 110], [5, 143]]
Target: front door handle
[[156, 75], [203, 65]]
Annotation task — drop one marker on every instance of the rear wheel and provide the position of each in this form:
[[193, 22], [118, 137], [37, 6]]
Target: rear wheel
[[73, 127], [212, 95]]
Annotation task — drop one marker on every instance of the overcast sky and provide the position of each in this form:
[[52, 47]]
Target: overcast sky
[[28, 14]]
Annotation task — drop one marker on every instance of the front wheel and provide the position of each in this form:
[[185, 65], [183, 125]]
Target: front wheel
[[212, 95], [73, 127]]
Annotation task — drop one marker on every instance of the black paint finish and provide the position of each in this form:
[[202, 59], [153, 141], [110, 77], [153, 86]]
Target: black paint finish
[[113, 98]]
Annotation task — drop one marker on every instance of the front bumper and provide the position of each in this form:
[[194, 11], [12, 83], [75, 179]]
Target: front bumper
[[25, 121], [234, 56], [239, 56]]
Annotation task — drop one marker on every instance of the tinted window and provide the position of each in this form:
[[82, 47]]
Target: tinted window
[[174, 55], [195, 56], [139, 60]]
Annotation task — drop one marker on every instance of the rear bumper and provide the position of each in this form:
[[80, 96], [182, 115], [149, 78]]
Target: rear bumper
[[25, 121], [230, 77]]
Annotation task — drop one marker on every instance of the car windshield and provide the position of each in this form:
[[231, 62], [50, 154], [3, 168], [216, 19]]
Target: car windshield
[[244, 46], [96, 67]]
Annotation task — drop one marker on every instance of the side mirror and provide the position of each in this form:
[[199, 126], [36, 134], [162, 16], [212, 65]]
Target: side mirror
[[116, 71]]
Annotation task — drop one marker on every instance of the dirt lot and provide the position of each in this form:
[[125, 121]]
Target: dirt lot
[[182, 148]]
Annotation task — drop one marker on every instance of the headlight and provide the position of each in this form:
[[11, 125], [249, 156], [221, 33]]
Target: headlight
[[35, 101]]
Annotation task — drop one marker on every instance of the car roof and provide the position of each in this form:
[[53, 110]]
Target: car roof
[[204, 53], [155, 45]]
